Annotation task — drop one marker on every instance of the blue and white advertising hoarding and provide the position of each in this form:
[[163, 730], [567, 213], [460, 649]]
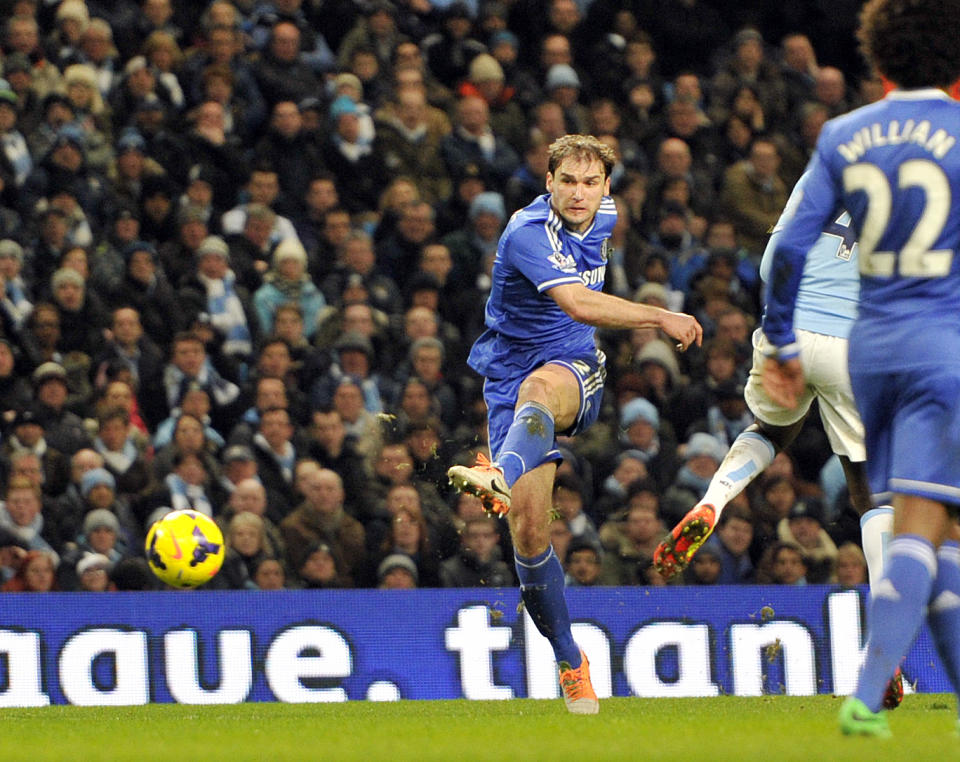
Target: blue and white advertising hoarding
[[212, 647]]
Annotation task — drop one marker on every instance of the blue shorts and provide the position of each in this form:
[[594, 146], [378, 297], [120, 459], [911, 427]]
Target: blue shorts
[[500, 395], [912, 424]]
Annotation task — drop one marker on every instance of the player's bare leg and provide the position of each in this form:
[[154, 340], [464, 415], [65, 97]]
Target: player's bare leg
[[549, 396]]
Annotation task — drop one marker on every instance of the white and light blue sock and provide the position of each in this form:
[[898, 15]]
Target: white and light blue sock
[[749, 455], [876, 530]]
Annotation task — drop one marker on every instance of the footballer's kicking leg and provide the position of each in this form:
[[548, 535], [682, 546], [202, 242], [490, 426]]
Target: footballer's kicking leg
[[547, 401]]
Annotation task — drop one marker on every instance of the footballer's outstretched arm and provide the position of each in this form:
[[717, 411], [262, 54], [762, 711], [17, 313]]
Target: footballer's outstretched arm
[[605, 311]]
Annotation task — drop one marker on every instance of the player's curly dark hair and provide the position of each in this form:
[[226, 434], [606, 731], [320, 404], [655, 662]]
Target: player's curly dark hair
[[581, 147], [914, 43]]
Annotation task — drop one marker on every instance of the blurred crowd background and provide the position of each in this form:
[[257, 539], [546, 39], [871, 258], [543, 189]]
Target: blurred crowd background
[[245, 248]]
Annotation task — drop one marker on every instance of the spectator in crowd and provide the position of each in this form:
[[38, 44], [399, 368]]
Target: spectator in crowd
[[247, 538], [357, 263], [280, 71], [212, 289], [803, 526], [642, 432], [410, 148], [630, 538], [753, 195], [63, 429], [122, 457], [701, 455], [21, 516], [851, 565], [397, 572], [189, 363], [734, 537], [146, 288], [568, 501], [93, 574], [479, 563], [36, 573], [288, 281], [360, 171], [320, 569], [788, 564], [185, 488], [582, 564], [321, 517], [474, 142], [27, 435], [705, 571], [269, 575]]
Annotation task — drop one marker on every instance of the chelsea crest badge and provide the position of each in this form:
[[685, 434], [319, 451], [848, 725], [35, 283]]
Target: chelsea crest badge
[[605, 249]]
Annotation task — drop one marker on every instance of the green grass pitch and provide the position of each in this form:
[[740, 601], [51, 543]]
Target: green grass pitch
[[773, 728]]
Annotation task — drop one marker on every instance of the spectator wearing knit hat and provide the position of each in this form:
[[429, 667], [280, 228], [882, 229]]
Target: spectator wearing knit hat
[[450, 50], [90, 113], [641, 430], [288, 281], [212, 290], [64, 167], [360, 171], [64, 429], [473, 247], [146, 288], [507, 120], [702, 454], [15, 149], [130, 165], [562, 86], [178, 256], [82, 314]]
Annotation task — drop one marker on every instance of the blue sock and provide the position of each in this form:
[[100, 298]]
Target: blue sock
[[541, 587], [896, 613], [528, 440], [943, 613]]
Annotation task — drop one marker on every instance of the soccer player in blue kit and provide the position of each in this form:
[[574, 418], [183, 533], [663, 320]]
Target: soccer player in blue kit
[[895, 166], [544, 373]]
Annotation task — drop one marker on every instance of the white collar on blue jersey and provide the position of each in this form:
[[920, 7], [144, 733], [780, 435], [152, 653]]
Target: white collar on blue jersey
[[921, 94]]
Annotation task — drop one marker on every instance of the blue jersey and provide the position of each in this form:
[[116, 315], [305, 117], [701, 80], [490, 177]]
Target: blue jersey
[[895, 166], [525, 327], [830, 287]]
